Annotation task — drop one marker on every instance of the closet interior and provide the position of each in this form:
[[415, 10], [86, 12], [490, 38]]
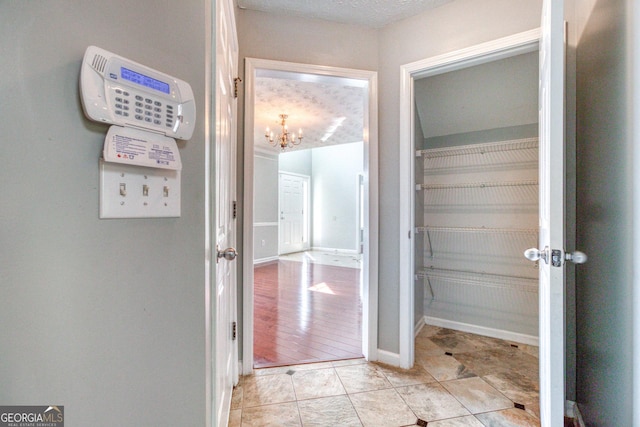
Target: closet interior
[[476, 198]]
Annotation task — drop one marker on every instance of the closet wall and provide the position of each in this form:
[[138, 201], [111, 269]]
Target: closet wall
[[477, 198]]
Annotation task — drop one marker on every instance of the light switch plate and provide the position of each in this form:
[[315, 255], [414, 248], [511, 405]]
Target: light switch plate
[[123, 188]]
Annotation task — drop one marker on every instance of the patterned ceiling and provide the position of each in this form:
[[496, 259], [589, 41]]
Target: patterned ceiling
[[328, 112], [371, 13]]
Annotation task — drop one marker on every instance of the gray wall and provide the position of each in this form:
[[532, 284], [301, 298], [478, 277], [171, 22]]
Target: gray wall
[[105, 317], [298, 161], [265, 206], [604, 284], [333, 171], [335, 195], [455, 102]]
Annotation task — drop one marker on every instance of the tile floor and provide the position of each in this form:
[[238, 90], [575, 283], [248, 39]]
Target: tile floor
[[459, 379]]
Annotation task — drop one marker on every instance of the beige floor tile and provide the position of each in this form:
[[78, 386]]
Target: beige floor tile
[[533, 350], [284, 369], [428, 331], [235, 418], [517, 387], [445, 368], [508, 418], [400, 377], [348, 362], [498, 360], [462, 342], [477, 396], [328, 412], [425, 347], [380, 395], [236, 396], [382, 408], [485, 342], [278, 415], [317, 383], [267, 390], [431, 402], [363, 377], [533, 408], [468, 421], [271, 371]]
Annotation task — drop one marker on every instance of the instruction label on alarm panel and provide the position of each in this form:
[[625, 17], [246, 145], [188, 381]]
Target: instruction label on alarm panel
[[135, 147]]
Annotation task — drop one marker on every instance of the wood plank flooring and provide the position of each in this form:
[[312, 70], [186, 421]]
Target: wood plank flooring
[[306, 313]]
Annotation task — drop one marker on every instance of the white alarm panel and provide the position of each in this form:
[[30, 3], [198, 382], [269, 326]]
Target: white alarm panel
[[118, 91]]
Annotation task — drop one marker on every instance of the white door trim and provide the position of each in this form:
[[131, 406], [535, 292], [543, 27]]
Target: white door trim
[[475, 55], [209, 336], [635, 25], [370, 256], [552, 182]]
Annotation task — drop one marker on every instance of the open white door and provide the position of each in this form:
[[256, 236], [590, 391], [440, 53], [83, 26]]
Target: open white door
[[552, 146], [551, 255], [223, 294]]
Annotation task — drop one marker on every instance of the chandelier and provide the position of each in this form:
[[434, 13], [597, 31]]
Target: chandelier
[[284, 138]]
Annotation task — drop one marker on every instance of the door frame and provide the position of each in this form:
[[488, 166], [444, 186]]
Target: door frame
[[370, 255], [516, 44], [306, 211]]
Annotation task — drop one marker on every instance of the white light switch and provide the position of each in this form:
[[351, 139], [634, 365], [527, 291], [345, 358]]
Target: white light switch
[[128, 191]]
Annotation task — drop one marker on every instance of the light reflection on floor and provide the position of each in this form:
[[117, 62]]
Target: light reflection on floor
[[335, 258]]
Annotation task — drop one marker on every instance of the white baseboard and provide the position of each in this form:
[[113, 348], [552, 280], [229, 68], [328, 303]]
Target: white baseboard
[[339, 251], [571, 410], [388, 358], [265, 260], [482, 330], [418, 327]]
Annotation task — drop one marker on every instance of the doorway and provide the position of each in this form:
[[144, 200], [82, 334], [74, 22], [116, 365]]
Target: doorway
[[255, 145], [471, 190], [307, 300], [552, 198]]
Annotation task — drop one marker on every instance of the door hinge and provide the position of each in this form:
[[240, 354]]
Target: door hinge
[[236, 82], [235, 209], [234, 331]]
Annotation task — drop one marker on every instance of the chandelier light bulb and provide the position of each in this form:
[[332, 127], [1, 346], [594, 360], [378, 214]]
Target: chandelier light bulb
[[284, 139]]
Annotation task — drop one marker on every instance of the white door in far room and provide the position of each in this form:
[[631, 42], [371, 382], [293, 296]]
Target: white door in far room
[[293, 224]]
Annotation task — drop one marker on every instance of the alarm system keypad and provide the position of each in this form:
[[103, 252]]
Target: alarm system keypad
[[143, 108]]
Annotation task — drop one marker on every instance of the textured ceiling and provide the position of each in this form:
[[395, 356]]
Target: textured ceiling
[[329, 112], [371, 13]]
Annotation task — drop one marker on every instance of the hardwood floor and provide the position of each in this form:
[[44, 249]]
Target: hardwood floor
[[306, 313]]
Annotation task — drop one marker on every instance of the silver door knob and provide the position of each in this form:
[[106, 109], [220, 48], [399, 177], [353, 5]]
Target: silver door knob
[[535, 254], [576, 257], [229, 254]]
